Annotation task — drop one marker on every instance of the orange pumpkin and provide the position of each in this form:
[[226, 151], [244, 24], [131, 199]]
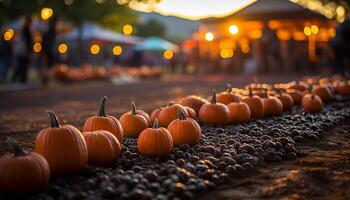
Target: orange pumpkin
[[227, 97], [169, 113], [297, 85], [194, 102], [22, 171], [101, 121], [214, 113], [343, 88], [191, 113], [132, 123], [103, 147], [311, 103], [239, 112], [273, 106], [323, 92], [184, 130], [63, 146], [286, 99], [155, 141], [297, 95], [255, 103], [155, 114]]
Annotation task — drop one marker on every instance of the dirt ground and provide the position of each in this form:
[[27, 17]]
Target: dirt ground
[[322, 173]]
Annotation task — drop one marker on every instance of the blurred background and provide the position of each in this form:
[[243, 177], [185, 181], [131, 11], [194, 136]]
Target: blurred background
[[44, 42]]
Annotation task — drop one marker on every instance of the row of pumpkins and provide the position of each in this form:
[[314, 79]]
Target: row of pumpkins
[[87, 72], [63, 149]]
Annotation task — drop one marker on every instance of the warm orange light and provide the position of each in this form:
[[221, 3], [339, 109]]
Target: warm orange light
[[209, 36], [46, 13], [37, 47], [332, 32], [117, 50], [95, 49], [256, 34], [62, 48], [314, 29], [307, 31], [233, 29], [127, 29], [8, 35], [168, 54], [299, 36], [226, 53], [245, 48], [283, 35]]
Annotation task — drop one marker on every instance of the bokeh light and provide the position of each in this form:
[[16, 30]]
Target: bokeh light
[[233, 29], [8, 35], [168, 54], [127, 29], [245, 48], [95, 49], [314, 29], [226, 53], [209, 36], [37, 47], [62, 48], [117, 50], [307, 31], [46, 13]]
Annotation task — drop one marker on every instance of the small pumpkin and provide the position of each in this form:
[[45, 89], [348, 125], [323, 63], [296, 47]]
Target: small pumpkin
[[133, 123], [297, 85], [63, 146], [169, 113], [297, 95], [103, 147], [239, 112], [323, 92], [155, 141], [273, 106], [184, 130], [22, 171], [214, 113], [286, 99], [255, 103], [101, 121], [194, 102], [343, 88], [191, 113], [155, 114], [311, 103], [227, 97]]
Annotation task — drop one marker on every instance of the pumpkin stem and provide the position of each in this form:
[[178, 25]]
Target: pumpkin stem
[[229, 88], [53, 119], [155, 123], [17, 150], [250, 92], [181, 115], [213, 99], [238, 100], [101, 111], [133, 108]]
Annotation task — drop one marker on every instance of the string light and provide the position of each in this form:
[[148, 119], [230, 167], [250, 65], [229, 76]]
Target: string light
[[37, 47], [168, 54], [127, 29], [117, 50], [46, 13], [233, 29], [95, 49], [8, 35], [209, 36], [62, 48]]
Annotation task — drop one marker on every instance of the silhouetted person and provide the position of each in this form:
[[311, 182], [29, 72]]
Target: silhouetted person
[[341, 47], [22, 50], [49, 41], [5, 58]]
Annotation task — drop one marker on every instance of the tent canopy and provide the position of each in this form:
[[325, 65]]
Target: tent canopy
[[155, 44]]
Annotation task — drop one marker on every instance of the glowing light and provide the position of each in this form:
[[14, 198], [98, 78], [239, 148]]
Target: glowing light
[[8, 35], [37, 47], [245, 48], [117, 50], [168, 54], [127, 29], [209, 36], [95, 49], [226, 53], [62, 48], [38, 38], [314, 29], [307, 31], [256, 34], [68, 2], [233, 29], [332, 32], [340, 11], [46, 13]]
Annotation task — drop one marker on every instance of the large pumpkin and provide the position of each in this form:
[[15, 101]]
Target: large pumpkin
[[184, 130], [63, 146], [286, 99], [101, 121], [239, 112], [227, 97], [22, 171], [323, 92], [194, 102], [155, 141], [255, 103], [311, 103], [297, 95], [103, 147], [214, 113], [133, 123], [273, 106], [169, 113]]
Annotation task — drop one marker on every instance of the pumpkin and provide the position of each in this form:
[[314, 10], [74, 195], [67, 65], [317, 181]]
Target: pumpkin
[[63, 146], [311, 103], [169, 113], [227, 97], [214, 113], [22, 171], [297, 85], [323, 92], [239, 112], [286, 99], [133, 123], [273, 106], [103, 147], [184, 130], [255, 103], [297, 95], [155, 114], [343, 88], [191, 113], [194, 102], [101, 121], [155, 141]]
